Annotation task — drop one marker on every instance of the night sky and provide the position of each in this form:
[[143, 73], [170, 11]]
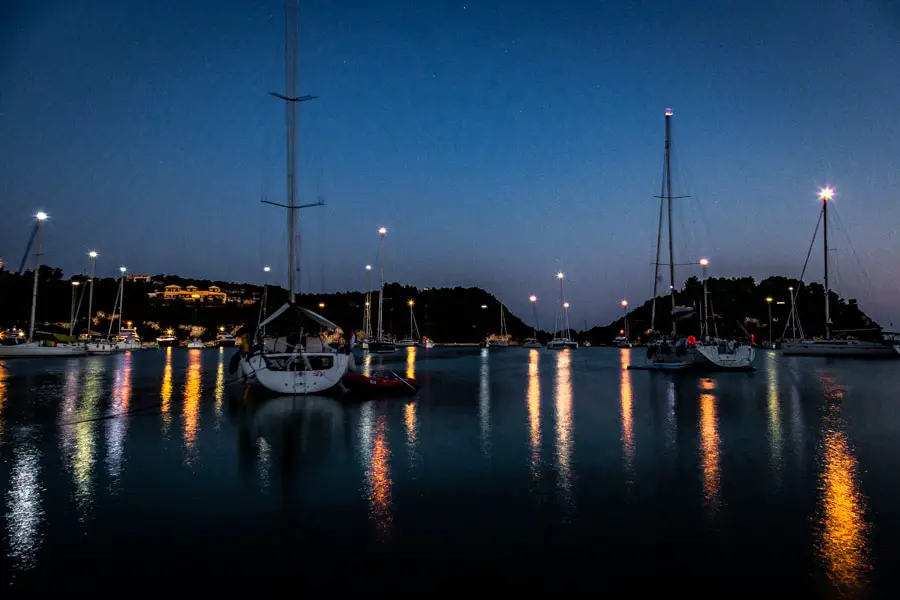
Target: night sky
[[497, 141]]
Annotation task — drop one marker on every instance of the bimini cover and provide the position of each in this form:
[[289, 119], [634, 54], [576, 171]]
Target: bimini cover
[[289, 309]]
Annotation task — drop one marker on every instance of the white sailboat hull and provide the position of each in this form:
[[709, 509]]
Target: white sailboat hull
[[129, 345], [36, 350], [500, 344], [721, 356], [562, 344], [847, 348], [256, 368], [406, 343], [103, 348]]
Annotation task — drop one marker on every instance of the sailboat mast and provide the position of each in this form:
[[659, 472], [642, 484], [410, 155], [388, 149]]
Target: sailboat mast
[[382, 231], [668, 195], [291, 10], [37, 268], [826, 196]]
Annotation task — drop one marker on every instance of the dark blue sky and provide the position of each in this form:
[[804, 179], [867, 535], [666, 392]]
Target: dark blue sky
[[498, 141]]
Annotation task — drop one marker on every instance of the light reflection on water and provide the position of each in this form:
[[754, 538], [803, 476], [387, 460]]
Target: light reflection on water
[[117, 423], [842, 527], [165, 392], [410, 362], [24, 504], [2, 397], [85, 424], [220, 384], [367, 365], [375, 456], [625, 394], [774, 413], [484, 401], [193, 387], [533, 396], [709, 444], [564, 425]]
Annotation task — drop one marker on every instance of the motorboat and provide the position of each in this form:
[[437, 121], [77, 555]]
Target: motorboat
[[406, 343], [620, 341], [99, 347], [223, 338], [426, 343], [196, 344], [382, 345], [389, 384], [128, 339], [562, 344], [667, 354], [531, 343], [167, 341]]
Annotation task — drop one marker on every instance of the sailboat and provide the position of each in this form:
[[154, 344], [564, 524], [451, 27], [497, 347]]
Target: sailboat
[[850, 348], [720, 353], [13, 346], [382, 344], [562, 322], [293, 361], [413, 337], [127, 337], [501, 340], [533, 342], [668, 353]]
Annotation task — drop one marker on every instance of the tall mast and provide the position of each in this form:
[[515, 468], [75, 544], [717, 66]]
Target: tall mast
[[291, 9], [121, 298], [41, 217], [382, 231], [668, 169], [826, 195]]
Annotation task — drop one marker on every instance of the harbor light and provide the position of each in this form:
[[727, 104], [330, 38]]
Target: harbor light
[[624, 303], [532, 298], [41, 216], [128, 323], [221, 328], [559, 275], [170, 331], [122, 270], [76, 283], [93, 254], [321, 305], [791, 289], [769, 299], [411, 303], [267, 269], [565, 305], [484, 306], [382, 230], [704, 262], [368, 267], [826, 193]]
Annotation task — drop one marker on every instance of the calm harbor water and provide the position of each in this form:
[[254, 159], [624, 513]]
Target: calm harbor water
[[510, 468]]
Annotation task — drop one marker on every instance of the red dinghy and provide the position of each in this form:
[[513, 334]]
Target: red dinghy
[[379, 384]]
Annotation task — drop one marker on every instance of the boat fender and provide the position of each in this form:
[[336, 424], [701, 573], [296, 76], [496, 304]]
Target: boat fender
[[692, 341]]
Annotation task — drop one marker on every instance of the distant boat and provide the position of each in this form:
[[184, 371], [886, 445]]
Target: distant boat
[[225, 339], [196, 344], [99, 347], [850, 348], [531, 343], [167, 341], [620, 341], [128, 339], [562, 343], [501, 340], [426, 343]]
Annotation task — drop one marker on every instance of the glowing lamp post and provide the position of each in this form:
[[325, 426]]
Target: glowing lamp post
[[624, 304], [769, 304], [93, 256], [75, 285]]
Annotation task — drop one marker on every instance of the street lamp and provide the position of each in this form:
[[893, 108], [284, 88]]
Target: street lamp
[[93, 255], [533, 299], [624, 304], [793, 317], [704, 326], [75, 285], [769, 304], [321, 305]]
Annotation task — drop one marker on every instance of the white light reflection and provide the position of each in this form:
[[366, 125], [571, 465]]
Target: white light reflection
[[220, 385], [25, 511], [85, 415], [564, 425], [671, 419], [773, 402], [117, 423], [367, 365], [627, 410], [533, 396], [484, 402], [264, 462]]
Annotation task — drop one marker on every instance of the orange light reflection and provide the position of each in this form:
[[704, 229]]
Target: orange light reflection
[[191, 408], [165, 392], [564, 426], [534, 411], [709, 449], [625, 394]]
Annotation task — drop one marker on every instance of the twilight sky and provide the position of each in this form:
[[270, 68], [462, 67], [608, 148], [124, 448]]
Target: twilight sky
[[497, 141]]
